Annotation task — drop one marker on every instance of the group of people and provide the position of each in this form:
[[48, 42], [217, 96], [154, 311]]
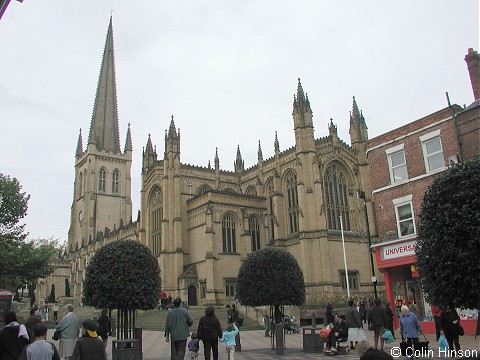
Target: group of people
[[29, 341], [209, 331], [166, 302]]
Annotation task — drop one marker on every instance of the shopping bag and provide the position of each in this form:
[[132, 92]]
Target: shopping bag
[[442, 344], [424, 345], [387, 336]]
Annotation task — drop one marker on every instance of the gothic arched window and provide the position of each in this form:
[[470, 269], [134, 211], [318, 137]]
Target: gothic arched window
[[336, 198], [292, 201], [101, 180], [228, 234], [204, 189], [156, 213], [115, 178], [254, 229], [271, 214], [251, 191], [80, 185]]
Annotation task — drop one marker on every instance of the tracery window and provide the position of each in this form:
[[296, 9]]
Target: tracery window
[[228, 234], [292, 201], [115, 177], [101, 180], [251, 191], [204, 189], [336, 198], [271, 214], [254, 229], [156, 214]]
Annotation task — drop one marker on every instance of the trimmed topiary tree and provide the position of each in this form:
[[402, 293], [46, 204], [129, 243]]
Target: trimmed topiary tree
[[271, 276], [448, 241], [123, 275]]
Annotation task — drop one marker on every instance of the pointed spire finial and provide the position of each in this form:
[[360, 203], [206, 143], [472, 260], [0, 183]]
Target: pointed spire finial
[[128, 140], [276, 144], [79, 144]]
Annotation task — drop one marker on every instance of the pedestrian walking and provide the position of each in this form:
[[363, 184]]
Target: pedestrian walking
[[13, 337], [55, 308], [103, 326], [69, 329], [33, 320], [40, 348], [451, 326], [228, 338], [234, 318], [266, 320], [177, 327], [210, 329], [354, 323], [89, 346], [409, 329], [377, 319], [389, 318], [437, 318]]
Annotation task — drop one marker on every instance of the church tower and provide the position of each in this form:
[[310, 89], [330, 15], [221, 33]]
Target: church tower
[[102, 189]]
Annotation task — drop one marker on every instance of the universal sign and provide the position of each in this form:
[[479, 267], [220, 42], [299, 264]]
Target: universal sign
[[399, 250]]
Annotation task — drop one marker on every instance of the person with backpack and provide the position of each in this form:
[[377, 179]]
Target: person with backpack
[[13, 337]]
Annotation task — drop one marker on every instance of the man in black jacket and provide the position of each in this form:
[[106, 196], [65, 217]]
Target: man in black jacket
[[379, 321]]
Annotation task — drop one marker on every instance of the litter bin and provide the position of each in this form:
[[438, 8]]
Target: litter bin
[[126, 349], [312, 342]]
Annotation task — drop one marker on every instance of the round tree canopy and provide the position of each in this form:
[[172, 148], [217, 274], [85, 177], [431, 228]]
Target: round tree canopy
[[270, 276], [122, 275], [448, 244]]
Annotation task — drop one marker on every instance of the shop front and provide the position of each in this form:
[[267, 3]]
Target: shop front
[[397, 261]]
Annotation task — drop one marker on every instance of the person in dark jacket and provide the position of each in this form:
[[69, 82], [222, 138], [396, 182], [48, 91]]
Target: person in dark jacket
[[210, 329], [450, 325], [378, 320], [339, 333], [329, 316], [103, 326], [361, 310], [89, 346], [13, 337], [389, 318]]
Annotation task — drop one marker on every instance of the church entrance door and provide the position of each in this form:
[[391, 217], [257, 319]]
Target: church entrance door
[[192, 296]]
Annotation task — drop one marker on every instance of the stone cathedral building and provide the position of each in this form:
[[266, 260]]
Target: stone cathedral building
[[201, 222]]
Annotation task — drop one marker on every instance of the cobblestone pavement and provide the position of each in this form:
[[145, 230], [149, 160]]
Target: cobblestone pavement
[[256, 346]]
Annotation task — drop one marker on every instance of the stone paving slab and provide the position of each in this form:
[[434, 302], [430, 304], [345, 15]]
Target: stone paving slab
[[256, 346]]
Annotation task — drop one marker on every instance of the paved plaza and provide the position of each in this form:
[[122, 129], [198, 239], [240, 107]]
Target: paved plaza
[[256, 346]]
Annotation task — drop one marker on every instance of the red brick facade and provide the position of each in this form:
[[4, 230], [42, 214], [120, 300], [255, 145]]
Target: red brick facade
[[384, 192]]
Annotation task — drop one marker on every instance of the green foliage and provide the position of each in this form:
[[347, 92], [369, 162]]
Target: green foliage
[[122, 275], [13, 208], [25, 262], [448, 244], [270, 276], [339, 300]]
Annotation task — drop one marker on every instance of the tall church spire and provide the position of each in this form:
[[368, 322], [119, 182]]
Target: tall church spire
[[358, 127], [104, 126], [239, 163], [128, 140]]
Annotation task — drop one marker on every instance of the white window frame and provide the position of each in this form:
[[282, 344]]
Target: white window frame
[[424, 139], [390, 152], [404, 200]]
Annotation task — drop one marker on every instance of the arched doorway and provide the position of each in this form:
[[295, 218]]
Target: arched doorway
[[192, 295]]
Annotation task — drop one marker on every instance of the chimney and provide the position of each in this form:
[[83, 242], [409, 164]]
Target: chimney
[[473, 64]]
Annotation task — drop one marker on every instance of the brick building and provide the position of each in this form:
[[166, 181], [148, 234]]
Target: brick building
[[403, 163]]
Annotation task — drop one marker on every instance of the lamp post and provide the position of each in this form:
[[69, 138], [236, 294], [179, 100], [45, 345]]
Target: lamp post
[[345, 259], [361, 195]]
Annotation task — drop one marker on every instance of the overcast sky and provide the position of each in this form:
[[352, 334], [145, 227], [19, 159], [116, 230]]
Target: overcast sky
[[226, 70]]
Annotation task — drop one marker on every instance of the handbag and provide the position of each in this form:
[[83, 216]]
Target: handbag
[[57, 335], [424, 344], [460, 330], [200, 332]]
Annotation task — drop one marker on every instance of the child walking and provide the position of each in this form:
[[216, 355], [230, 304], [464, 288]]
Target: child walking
[[193, 346], [228, 338]]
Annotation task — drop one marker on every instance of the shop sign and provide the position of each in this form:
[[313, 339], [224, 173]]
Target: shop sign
[[399, 250]]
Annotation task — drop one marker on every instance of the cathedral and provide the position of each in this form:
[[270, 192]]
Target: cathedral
[[202, 222]]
